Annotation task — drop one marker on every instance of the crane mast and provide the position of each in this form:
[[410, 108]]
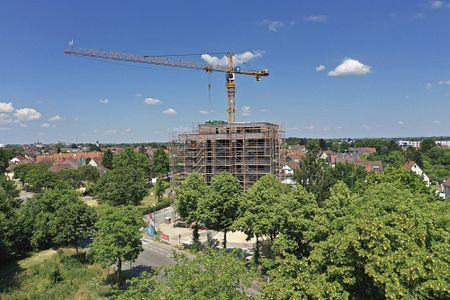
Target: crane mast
[[229, 70]]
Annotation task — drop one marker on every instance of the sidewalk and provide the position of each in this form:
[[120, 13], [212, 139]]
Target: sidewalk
[[177, 235]]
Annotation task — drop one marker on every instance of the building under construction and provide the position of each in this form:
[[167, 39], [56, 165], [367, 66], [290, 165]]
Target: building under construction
[[246, 150]]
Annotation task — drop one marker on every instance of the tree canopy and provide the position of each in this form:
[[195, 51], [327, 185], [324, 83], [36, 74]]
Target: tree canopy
[[121, 186], [117, 238]]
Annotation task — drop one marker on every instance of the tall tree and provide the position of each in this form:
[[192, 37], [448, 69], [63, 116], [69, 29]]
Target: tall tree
[[108, 159], [117, 237], [159, 189], [189, 195], [74, 222], [427, 144], [130, 159], [262, 210], [160, 163], [219, 208], [121, 186], [311, 174]]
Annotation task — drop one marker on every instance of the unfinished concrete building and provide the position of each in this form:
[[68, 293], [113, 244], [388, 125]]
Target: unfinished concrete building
[[246, 150]]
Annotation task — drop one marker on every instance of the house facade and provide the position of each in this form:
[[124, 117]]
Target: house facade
[[413, 167]]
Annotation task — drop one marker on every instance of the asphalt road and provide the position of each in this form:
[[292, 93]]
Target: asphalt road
[[155, 254]]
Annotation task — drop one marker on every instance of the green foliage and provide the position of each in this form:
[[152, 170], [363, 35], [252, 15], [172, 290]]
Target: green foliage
[[36, 177], [159, 188], [312, 174], [394, 159], [108, 159], [9, 229], [262, 210], [117, 237], [74, 222], [220, 206], [60, 276], [189, 195], [130, 159], [160, 163], [158, 206], [209, 275], [121, 186], [6, 155], [389, 242], [427, 144], [56, 217], [436, 163]]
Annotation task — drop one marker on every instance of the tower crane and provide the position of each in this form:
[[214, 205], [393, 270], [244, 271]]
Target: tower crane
[[169, 61]]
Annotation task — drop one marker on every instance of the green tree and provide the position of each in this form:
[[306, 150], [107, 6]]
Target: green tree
[[159, 189], [39, 178], [311, 174], [262, 211], [89, 173], [74, 222], [394, 159], [117, 237], [300, 222], [219, 208], [107, 161], [426, 145], [9, 227], [121, 186], [40, 216], [388, 243], [160, 162], [189, 195], [130, 159], [209, 275]]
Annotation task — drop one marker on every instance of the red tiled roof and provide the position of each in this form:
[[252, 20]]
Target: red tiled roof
[[61, 157], [409, 164]]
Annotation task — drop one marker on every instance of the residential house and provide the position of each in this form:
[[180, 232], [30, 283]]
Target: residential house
[[61, 157], [14, 162], [412, 166], [67, 164]]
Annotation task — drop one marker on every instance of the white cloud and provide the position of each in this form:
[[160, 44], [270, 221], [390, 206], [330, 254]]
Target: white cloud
[[315, 19], [350, 66], [238, 59], [152, 101], [428, 86], [170, 112], [6, 107], [103, 101], [320, 68], [444, 82], [204, 112], [23, 125], [436, 4], [55, 118], [127, 131], [5, 119], [264, 110], [138, 95], [436, 122], [45, 125], [400, 123], [27, 114], [272, 25], [246, 111]]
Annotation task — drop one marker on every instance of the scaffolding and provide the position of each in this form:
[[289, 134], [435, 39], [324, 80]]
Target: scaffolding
[[246, 150]]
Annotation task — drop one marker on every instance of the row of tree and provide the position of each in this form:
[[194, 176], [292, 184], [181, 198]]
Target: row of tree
[[385, 237]]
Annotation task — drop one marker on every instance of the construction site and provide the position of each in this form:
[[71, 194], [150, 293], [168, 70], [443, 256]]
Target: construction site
[[246, 150]]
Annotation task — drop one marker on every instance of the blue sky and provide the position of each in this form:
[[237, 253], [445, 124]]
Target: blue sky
[[337, 68]]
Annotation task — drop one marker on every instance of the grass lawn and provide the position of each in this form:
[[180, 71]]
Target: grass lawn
[[51, 274]]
